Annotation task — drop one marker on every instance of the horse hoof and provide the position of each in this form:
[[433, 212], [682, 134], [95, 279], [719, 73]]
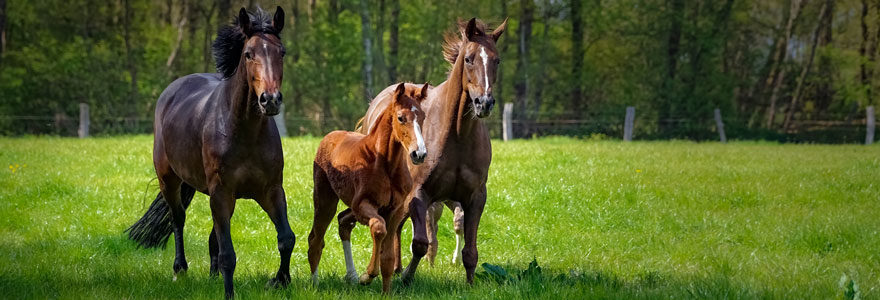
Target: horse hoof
[[279, 281], [406, 278], [351, 278], [180, 266], [181, 273], [366, 279]]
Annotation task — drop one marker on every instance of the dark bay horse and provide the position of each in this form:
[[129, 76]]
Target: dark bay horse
[[214, 134], [457, 166], [370, 174]]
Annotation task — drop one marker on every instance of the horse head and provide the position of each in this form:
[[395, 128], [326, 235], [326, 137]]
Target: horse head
[[480, 63], [408, 114]]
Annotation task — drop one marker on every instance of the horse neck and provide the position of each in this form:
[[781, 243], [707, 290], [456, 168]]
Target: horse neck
[[387, 150], [243, 114], [452, 100]]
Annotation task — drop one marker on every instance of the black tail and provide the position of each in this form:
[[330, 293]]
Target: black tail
[[155, 227]]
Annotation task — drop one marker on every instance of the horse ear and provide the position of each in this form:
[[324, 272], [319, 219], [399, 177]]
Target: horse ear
[[244, 22], [399, 92], [471, 31], [278, 21], [423, 94], [500, 30]]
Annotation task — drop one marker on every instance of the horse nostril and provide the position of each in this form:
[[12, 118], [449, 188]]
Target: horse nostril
[[263, 99]]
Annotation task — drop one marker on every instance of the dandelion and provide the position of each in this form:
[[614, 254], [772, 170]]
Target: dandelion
[[638, 170]]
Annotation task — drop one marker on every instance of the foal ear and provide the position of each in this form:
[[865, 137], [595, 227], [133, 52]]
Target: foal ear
[[471, 31], [399, 92], [278, 21], [244, 22], [500, 30]]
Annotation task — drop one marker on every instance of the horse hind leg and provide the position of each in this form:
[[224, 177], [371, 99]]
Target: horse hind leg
[[435, 211], [325, 201], [347, 221], [170, 185], [457, 226]]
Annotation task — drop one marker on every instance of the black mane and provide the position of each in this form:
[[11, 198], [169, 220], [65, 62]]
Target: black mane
[[230, 40]]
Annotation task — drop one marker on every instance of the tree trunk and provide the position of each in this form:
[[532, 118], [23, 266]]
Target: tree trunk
[[798, 91], [864, 69], [825, 87], [499, 76], [368, 51], [132, 67], [673, 43], [577, 56], [206, 41], [2, 29], [224, 7], [522, 65], [393, 41], [779, 57], [180, 30], [543, 80]]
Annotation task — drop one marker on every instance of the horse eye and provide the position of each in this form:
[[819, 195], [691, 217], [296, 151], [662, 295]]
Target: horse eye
[[401, 119], [248, 55], [497, 61], [468, 60]]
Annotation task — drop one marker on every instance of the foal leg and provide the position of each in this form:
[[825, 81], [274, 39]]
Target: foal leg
[[387, 253], [419, 247], [457, 225], [324, 200], [435, 211], [275, 205], [222, 206], [472, 213], [378, 230], [347, 221], [170, 186]]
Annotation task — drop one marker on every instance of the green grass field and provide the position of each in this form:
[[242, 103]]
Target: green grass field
[[603, 219]]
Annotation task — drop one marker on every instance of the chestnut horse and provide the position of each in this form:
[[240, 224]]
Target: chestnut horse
[[214, 134], [458, 166], [369, 173]]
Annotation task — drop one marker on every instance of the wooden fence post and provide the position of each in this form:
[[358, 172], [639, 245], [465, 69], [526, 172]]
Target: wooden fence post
[[83, 120], [628, 123], [506, 122], [720, 125], [279, 121], [869, 135]]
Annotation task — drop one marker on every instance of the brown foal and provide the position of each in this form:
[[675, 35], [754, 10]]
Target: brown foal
[[369, 173]]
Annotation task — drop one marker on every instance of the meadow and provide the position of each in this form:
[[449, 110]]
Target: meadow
[[602, 219]]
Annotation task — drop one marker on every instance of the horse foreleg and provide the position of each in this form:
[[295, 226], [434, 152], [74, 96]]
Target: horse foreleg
[[398, 266], [387, 252], [222, 206], [472, 213], [457, 226], [275, 205], [347, 221], [378, 231], [417, 210], [435, 211]]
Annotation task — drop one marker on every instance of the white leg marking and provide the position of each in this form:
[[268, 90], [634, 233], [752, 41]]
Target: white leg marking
[[315, 278], [350, 271], [457, 249]]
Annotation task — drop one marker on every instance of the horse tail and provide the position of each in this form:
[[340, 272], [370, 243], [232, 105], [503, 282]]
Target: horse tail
[[155, 227]]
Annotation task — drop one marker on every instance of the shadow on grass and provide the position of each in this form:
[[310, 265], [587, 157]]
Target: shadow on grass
[[119, 270]]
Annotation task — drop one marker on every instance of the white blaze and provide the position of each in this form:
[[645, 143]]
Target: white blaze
[[419, 139], [485, 68]]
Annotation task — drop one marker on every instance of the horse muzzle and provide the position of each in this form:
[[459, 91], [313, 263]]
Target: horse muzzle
[[483, 105], [270, 103], [418, 156]]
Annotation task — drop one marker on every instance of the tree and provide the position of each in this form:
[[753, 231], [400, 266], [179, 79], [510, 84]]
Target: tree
[[368, 51], [577, 56], [521, 86]]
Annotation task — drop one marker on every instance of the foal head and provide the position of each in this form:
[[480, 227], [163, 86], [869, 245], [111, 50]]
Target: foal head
[[252, 45], [408, 116], [480, 61]]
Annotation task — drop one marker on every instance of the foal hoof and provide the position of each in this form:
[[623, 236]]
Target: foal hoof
[[366, 279], [279, 281]]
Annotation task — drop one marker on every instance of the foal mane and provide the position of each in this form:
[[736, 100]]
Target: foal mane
[[230, 40], [453, 40]]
